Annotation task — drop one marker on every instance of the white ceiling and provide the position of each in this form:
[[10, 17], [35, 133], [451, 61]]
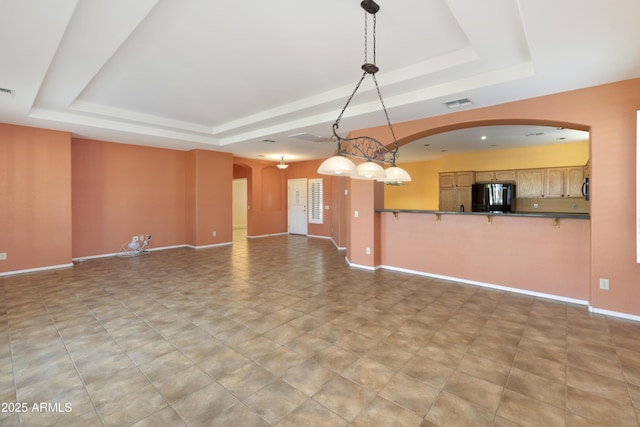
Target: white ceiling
[[187, 74]]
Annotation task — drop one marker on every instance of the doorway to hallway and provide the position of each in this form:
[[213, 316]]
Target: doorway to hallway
[[297, 203]]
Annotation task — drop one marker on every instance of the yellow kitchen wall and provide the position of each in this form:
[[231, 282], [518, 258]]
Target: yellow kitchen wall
[[422, 192]]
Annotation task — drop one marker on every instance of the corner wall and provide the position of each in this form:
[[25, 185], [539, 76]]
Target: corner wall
[[35, 198]]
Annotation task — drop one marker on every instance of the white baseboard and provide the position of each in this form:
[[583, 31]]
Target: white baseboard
[[614, 314], [35, 270], [215, 245], [266, 235], [490, 285]]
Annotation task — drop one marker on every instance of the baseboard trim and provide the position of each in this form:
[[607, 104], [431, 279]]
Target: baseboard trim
[[215, 245], [614, 314], [267, 235], [35, 270], [490, 285]]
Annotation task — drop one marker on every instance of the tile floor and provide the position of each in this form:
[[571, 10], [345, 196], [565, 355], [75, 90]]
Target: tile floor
[[279, 331]]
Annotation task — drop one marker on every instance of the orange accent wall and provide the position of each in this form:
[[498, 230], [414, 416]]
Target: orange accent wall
[[124, 190], [365, 197], [35, 197], [210, 193]]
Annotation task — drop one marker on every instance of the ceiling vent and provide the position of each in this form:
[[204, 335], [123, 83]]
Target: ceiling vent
[[268, 141], [8, 92], [306, 136], [458, 103]]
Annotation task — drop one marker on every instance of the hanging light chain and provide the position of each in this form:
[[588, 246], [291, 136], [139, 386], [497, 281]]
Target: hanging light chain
[[370, 7]]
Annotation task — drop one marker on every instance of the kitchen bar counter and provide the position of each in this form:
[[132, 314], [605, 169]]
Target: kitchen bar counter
[[514, 214], [540, 254]]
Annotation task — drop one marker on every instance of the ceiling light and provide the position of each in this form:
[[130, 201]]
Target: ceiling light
[[370, 170], [282, 164], [365, 147], [483, 137], [338, 166]]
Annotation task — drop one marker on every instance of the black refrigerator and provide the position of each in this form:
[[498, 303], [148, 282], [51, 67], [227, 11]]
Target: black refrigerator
[[493, 197]]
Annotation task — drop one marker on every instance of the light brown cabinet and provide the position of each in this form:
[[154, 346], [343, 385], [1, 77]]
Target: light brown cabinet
[[455, 191], [574, 180], [550, 182], [496, 176], [530, 183], [555, 182]]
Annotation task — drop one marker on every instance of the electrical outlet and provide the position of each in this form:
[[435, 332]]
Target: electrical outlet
[[214, 234], [355, 214], [535, 206], [135, 239], [368, 251], [3, 256], [604, 284], [142, 237]]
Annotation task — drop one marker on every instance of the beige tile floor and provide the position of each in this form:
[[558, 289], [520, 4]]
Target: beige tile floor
[[280, 331]]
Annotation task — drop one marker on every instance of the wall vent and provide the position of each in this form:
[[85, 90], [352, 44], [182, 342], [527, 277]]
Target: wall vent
[[5, 91]]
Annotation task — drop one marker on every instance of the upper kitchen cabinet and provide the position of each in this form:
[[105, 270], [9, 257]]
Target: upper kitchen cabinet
[[496, 176], [530, 183], [555, 182], [574, 179]]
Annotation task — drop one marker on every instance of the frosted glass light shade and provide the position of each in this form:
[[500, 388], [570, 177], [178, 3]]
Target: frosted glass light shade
[[395, 175], [369, 170], [338, 166]]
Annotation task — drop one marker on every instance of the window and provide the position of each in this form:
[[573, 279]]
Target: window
[[315, 201]]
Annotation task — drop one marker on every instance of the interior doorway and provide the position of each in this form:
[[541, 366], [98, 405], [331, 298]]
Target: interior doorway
[[297, 203], [240, 204]]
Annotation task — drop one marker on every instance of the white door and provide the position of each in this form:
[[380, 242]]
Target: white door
[[297, 201]]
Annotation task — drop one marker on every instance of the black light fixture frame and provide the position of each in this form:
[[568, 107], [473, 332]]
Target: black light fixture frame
[[366, 147]]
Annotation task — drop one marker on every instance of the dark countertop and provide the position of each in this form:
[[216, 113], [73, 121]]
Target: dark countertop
[[519, 214]]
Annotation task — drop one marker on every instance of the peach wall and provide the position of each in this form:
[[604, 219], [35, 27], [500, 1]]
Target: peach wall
[[211, 200], [364, 232], [124, 190], [516, 252], [608, 112], [267, 197], [35, 198]]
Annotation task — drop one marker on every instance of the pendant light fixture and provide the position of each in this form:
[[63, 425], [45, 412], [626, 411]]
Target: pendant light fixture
[[366, 147], [282, 164]]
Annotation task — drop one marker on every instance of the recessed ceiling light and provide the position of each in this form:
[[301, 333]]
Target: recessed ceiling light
[[483, 137], [427, 145]]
